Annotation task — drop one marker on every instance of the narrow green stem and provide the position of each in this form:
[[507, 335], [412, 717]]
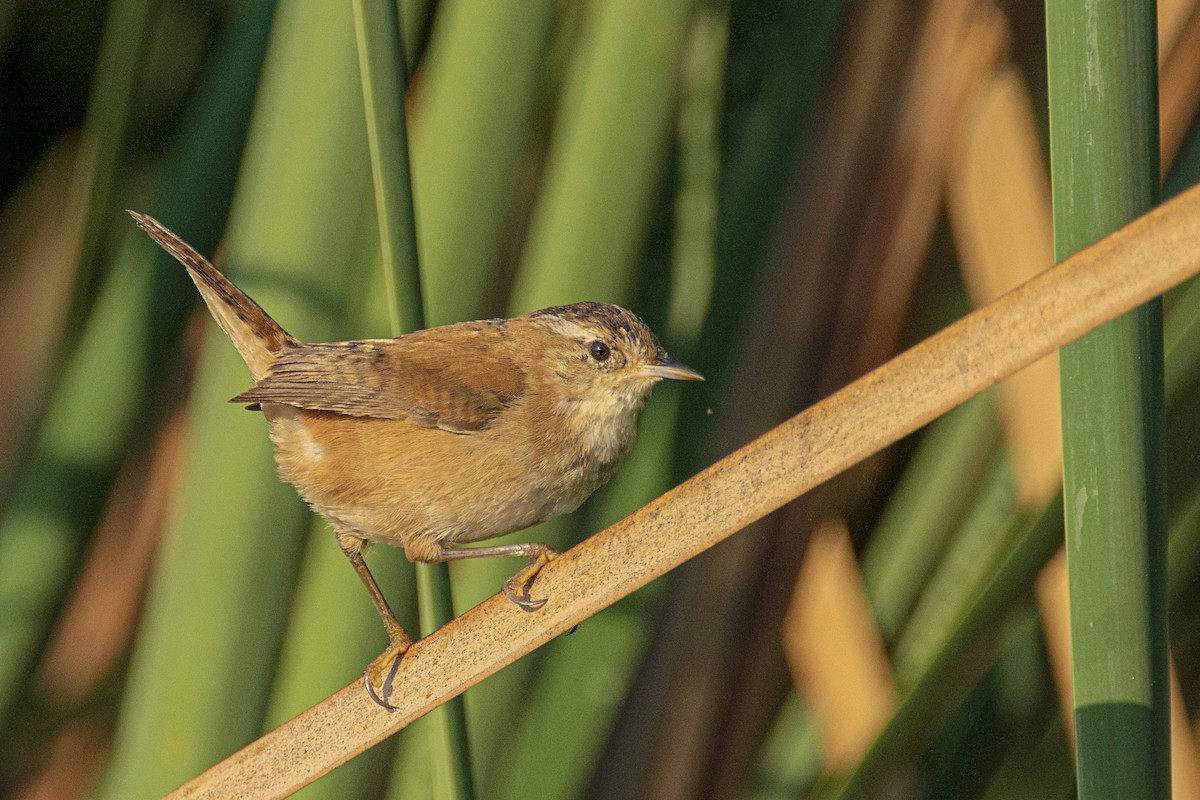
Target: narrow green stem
[[1104, 157], [383, 67], [381, 64], [449, 741]]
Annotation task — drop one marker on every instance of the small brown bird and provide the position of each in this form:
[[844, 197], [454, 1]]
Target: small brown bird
[[444, 436]]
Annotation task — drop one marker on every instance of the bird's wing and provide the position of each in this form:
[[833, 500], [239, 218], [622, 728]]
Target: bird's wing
[[457, 378]]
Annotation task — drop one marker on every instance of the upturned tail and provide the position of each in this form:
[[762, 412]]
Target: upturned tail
[[257, 337]]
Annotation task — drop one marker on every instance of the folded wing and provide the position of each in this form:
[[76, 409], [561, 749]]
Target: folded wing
[[457, 378]]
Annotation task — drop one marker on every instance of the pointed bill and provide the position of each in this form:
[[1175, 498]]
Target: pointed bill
[[664, 367]]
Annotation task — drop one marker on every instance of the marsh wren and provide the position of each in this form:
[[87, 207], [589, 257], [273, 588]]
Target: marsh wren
[[445, 436]]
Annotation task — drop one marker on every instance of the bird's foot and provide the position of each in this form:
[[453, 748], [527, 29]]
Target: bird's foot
[[381, 673], [516, 588]]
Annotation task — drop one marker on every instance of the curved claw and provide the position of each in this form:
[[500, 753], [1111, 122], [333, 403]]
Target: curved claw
[[524, 601], [379, 701], [516, 588], [380, 698]]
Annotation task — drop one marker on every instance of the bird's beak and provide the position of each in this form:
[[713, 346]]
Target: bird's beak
[[663, 367]]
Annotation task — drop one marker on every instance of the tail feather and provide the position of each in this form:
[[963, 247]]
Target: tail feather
[[257, 337]]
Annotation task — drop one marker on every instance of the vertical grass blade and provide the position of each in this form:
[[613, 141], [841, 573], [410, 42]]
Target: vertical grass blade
[[1104, 163], [449, 745], [470, 128], [383, 69]]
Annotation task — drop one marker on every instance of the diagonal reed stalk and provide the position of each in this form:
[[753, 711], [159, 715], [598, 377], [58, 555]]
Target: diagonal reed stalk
[[1121, 272]]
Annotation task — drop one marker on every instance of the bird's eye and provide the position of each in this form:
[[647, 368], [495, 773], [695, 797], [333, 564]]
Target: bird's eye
[[599, 351]]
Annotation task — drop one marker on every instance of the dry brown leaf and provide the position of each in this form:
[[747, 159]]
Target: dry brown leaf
[[1185, 764], [835, 651], [998, 197], [71, 765], [39, 239], [99, 620], [1179, 73]]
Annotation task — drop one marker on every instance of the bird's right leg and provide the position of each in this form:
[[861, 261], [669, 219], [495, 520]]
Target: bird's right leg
[[381, 672], [516, 588]]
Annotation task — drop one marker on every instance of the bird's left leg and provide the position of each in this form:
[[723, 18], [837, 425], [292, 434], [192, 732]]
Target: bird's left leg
[[382, 671]]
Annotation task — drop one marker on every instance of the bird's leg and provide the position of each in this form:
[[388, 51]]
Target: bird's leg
[[382, 671], [516, 588]]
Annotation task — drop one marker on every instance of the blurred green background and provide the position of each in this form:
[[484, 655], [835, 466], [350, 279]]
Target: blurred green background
[[788, 191]]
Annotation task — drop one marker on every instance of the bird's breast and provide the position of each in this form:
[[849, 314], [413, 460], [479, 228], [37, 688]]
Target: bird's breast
[[590, 435]]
